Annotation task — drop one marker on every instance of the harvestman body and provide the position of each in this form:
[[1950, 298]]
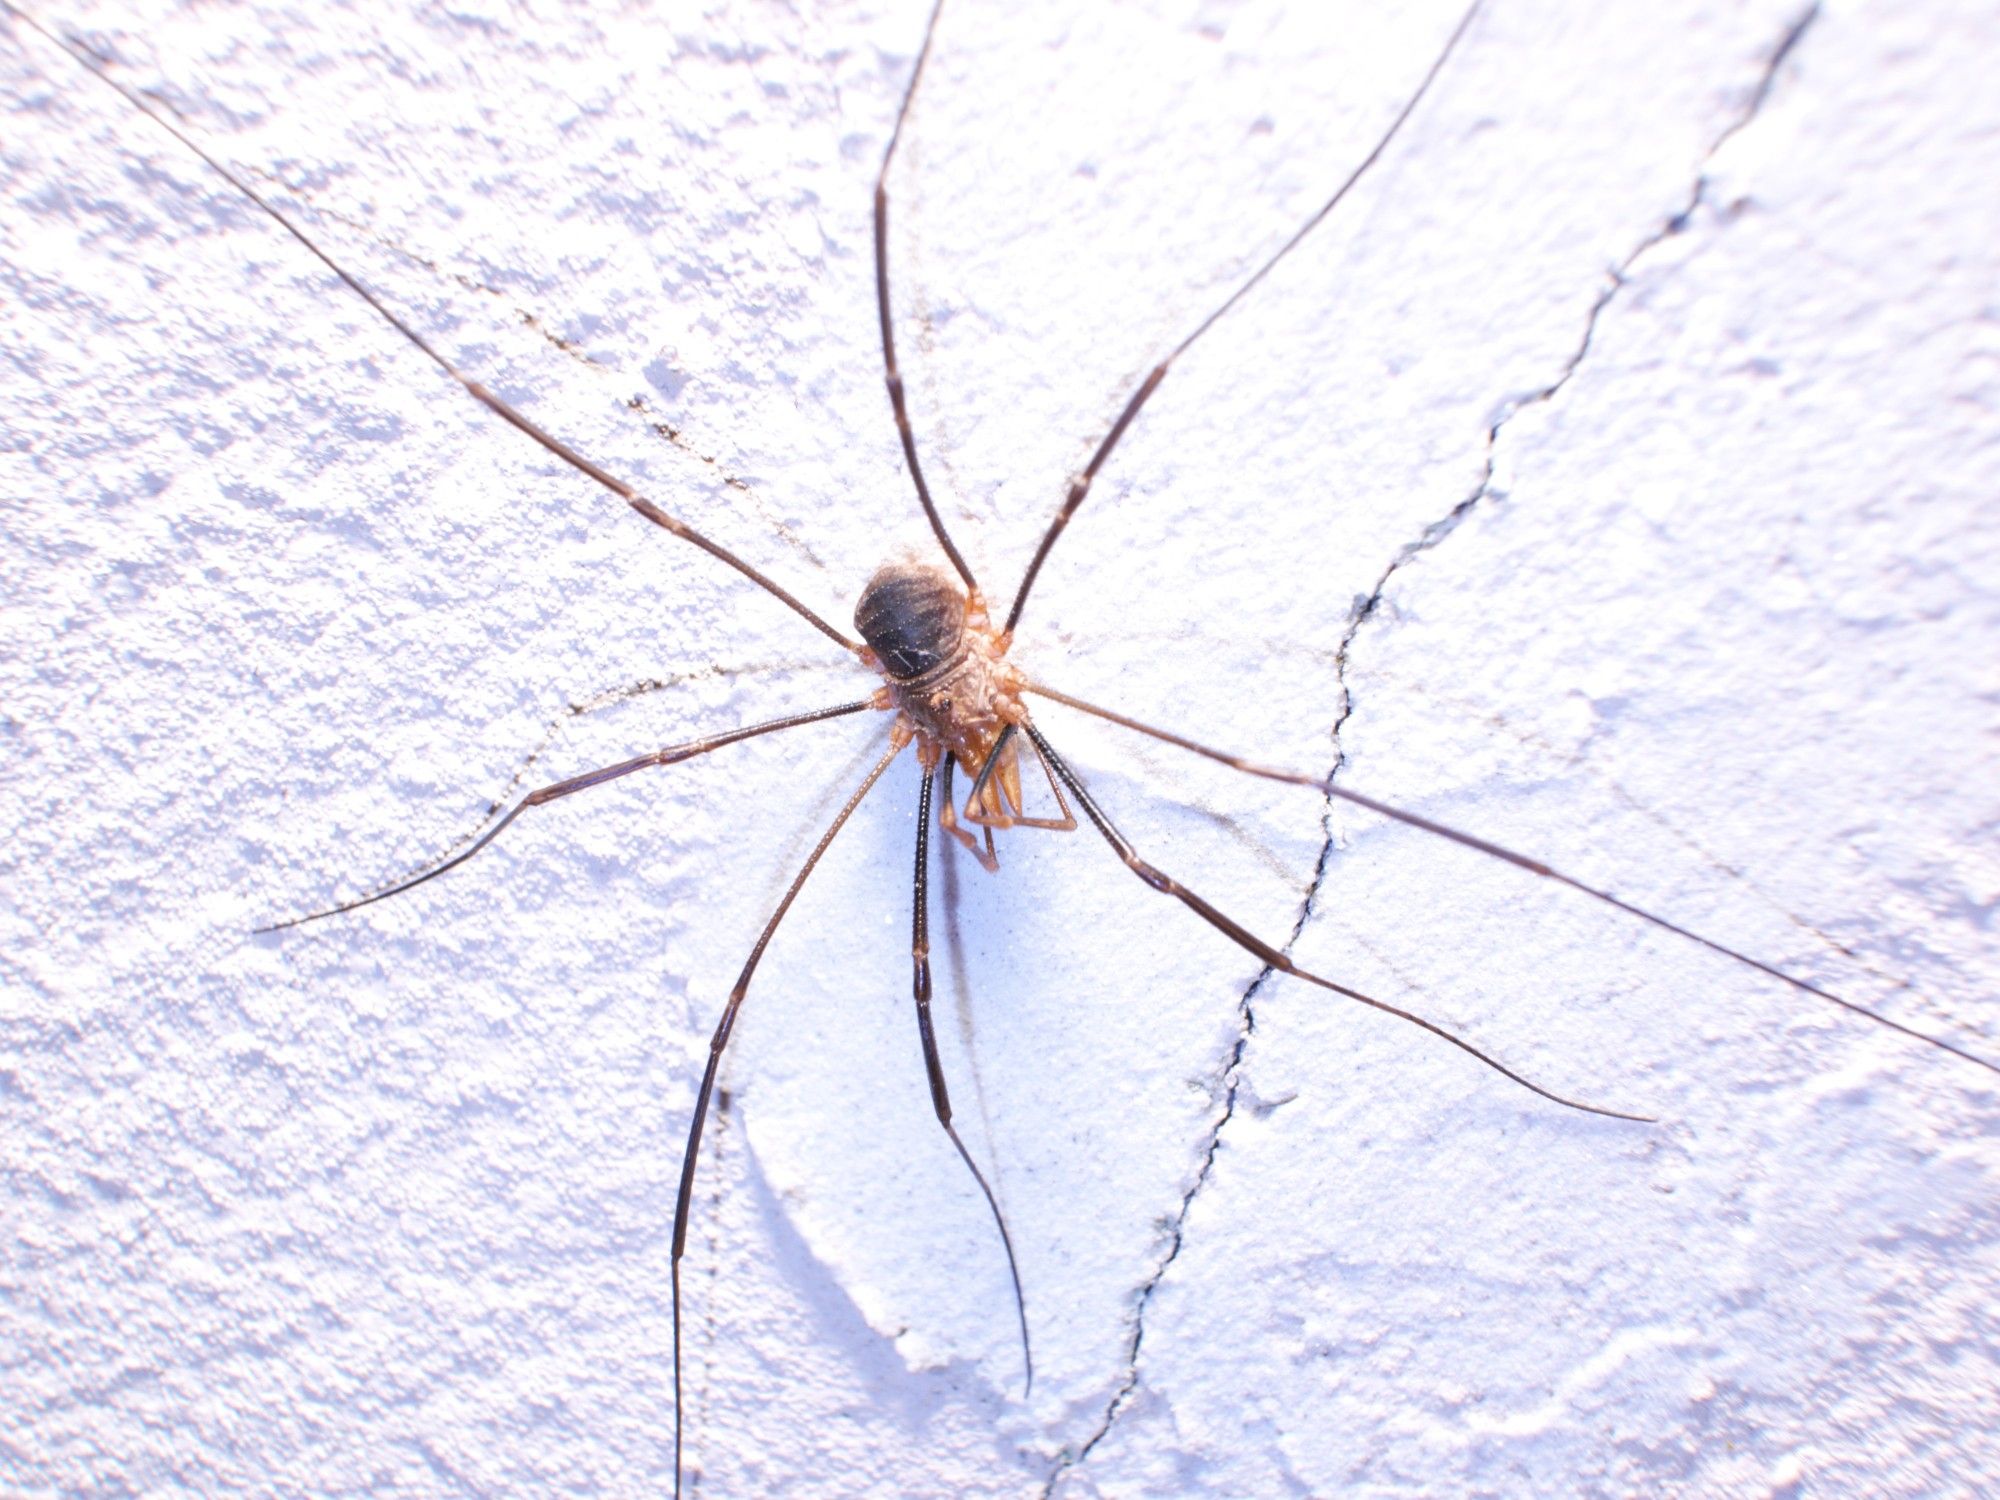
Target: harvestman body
[[954, 694]]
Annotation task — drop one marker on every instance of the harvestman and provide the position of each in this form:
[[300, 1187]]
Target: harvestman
[[954, 694]]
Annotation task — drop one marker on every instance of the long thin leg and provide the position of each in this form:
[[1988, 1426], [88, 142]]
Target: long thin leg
[[715, 1048], [554, 445], [1080, 486], [671, 755], [607, 698], [1250, 942], [894, 375], [920, 955], [1519, 861]]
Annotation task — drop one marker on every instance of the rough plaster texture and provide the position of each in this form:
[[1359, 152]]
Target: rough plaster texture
[[381, 1205]]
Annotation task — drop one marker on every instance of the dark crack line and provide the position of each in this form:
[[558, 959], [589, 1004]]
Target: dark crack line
[[1229, 1082], [609, 698], [675, 436]]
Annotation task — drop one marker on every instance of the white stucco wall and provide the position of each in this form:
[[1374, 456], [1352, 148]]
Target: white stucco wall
[[382, 1205]]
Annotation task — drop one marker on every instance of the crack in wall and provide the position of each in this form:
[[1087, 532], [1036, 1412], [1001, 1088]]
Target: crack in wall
[[165, 97], [674, 435], [1228, 1082]]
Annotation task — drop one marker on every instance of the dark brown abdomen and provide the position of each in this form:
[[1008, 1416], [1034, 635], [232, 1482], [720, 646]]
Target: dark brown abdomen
[[913, 618]]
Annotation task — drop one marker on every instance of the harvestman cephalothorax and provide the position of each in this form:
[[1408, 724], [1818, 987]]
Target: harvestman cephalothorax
[[941, 648]]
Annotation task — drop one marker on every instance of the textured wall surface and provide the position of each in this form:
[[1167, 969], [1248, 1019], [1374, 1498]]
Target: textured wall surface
[[1612, 476]]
